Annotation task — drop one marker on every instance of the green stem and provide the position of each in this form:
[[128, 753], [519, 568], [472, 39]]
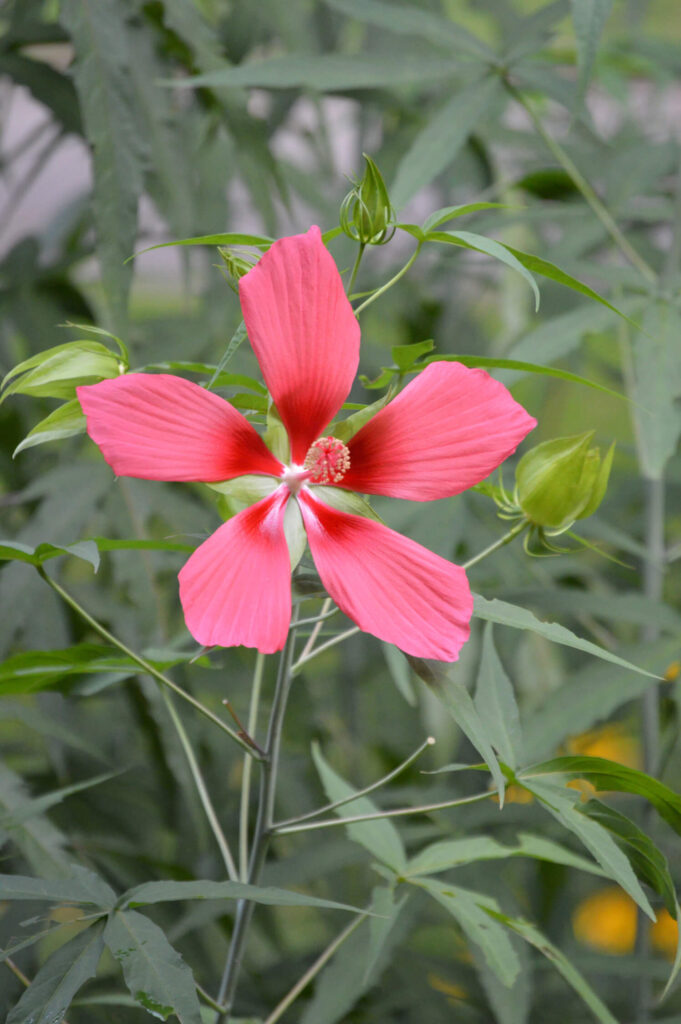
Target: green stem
[[358, 260], [314, 970], [393, 280], [586, 189], [360, 792], [398, 813], [204, 795], [246, 776], [653, 583], [145, 665], [515, 531], [263, 826], [304, 658]]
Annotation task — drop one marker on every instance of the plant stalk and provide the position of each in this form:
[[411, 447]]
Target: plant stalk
[[388, 284], [263, 826], [246, 776], [514, 532]]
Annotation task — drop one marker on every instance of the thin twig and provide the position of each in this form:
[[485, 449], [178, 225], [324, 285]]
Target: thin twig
[[145, 665], [360, 792], [246, 774], [323, 647], [314, 970]]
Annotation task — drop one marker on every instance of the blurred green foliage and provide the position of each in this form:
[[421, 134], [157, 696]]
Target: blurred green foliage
[[198, 117]]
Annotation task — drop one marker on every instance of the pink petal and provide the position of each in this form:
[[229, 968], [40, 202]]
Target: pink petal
[[389, 585], [448, 429], [161, 427], [303, 332], [236, 587]]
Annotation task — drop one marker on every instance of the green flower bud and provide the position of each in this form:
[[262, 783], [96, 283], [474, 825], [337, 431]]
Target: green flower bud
[[237, 262], [562, 480], [366, 214]]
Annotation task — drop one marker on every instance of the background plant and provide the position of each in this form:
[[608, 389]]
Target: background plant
[[460, 106]]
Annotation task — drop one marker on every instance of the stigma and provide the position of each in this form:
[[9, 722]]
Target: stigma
[[327, 461]]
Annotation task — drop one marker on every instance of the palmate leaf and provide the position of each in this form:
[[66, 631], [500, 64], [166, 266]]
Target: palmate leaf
[[506, 614], [527, 931], [41, 843], [40, 804], [438, 143], [171, 892], [379, 837], [647, 861], [99, 33], [155, 973], [49, 996], [563, 805], [610, 775], [82, 887], [327, 72], [588, 21], [412, 20], [469, 909]]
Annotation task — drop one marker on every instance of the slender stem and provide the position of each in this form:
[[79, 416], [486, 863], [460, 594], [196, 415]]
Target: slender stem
[[506, 539], [17, 972], [204, 795], [207, 998], [314, 970], [303, 660], [246, 775], [586, 189], [358, 260], [653, 582], [315, 632], [319, 618], [393, 280], [398, 813], [145, 665], [360, 792], [263, 825]]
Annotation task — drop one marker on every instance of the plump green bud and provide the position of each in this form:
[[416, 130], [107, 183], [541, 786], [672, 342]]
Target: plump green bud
[[237, 262], [366, 214], [562, 480]]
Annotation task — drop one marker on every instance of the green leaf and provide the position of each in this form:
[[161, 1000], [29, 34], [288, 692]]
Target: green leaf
[[327, 72], [49, 86], [610, 775], [55, 372], [563, 805], [99, 34], [657, 386], [379, 837], [458, 702], [400, 672], [404, 356], [168, 892], [647, 861], [612, 606], [83, 887], [226, 238], [480, 243], [506, 614], [450, 853], [49, 996], [588, 20], [531, 934], [240, 335], [413, 21], [12, 819], [546, 269], [496, 704], [65, 421], [12, 550], [469, 908], [41, 843], [108, 544], [438, 143], [155, 973], [451, 212], [347, 428]]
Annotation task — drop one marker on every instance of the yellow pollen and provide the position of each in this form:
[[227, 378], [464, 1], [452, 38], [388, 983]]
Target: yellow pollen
[[328, 460]]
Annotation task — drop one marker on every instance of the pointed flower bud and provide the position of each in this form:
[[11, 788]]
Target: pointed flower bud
[[238, 262], [366, 214], [562, 480]]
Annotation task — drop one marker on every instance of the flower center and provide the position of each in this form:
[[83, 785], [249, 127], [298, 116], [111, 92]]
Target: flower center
[[328, 460]]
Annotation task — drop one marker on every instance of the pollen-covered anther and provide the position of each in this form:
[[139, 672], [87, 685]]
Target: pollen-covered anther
[[328, 460]]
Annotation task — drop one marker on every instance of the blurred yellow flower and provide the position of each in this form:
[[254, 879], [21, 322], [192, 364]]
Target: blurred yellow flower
[[607, 920], [455, 993], [614, 741]]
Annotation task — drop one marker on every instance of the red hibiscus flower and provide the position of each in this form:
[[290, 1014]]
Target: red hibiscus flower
[[447, 430]]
